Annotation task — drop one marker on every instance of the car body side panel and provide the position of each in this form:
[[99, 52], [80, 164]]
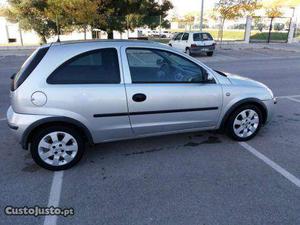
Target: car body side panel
[[171, 107], [235, 93]]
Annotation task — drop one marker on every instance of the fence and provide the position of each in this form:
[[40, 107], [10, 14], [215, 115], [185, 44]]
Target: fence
[[233, 30], [264, 29]]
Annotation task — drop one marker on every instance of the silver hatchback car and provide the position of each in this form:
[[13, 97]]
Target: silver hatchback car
[[69, 94]]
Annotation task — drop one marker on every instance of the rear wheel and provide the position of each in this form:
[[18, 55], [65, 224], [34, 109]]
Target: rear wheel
[[57, 147], [244, 123], [210, 53]]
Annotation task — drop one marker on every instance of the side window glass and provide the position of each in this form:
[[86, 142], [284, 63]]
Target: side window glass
[[185, 37], [93, 67], [178, 37], [158, 66]]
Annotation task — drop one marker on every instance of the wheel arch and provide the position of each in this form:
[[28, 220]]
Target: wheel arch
[[248, 101], [54, 121]]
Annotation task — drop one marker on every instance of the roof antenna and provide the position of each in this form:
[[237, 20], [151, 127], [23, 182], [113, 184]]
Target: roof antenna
[[57, 29]]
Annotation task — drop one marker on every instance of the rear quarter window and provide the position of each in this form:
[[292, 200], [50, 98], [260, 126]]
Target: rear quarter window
[[29, 65]]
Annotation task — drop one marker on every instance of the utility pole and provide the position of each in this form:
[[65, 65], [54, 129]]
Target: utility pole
[[201, 15]]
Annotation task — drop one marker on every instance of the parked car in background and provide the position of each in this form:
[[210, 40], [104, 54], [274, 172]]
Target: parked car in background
[[168, 34], [194, 43], [157, 34], [68, 94]]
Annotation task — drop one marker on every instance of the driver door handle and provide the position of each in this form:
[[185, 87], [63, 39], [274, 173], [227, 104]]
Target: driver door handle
[[139, 97]]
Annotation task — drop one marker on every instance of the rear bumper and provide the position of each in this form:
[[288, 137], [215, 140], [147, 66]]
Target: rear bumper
[[18, 123], [200, 49]]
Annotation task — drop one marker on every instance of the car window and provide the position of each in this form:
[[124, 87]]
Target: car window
[[178, 37], [185, 37], [159, 66], [206, 37], [202, 37], [28, 66], [93, 67]]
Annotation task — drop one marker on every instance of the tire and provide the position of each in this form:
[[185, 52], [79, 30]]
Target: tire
[[209, 53], [62, 154], [188, 51], [244, 128]]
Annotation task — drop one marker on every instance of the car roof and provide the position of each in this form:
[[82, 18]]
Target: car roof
[[99, 43], [112, 42]]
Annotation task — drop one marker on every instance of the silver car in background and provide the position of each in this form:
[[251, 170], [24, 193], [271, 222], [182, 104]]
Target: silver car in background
[[71, 93]]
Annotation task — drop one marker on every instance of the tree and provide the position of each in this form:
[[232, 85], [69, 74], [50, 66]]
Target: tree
[[82, 13], [273, 12], [232, 9], [278, 26], [121, 15], [31, 16], [189, 20], [153, 12]]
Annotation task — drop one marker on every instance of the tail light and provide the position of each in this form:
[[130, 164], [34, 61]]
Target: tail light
[[193, 46]]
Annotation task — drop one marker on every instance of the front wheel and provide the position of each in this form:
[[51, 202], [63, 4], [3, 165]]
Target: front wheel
[[57, 147], [244, 123]]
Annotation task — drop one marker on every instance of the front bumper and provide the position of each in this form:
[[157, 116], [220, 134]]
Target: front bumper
[[200, 49], [270, 105], [19, 123]]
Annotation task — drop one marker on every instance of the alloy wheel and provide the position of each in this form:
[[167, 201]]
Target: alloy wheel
[[57, 148], [246, 123]]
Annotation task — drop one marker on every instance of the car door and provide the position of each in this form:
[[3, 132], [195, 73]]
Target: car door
[[177, 39], [184, 42], [165, 92], [93, 93]]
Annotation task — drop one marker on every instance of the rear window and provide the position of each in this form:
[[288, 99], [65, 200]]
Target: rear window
[[99, 66], [202, 37], [28, 66]]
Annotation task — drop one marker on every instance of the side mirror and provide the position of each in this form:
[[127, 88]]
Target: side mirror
[[13, 76], [207, 78], [204, 75]]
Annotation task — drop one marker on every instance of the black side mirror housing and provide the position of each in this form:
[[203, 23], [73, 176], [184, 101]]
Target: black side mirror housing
[[204, 76], [13, 76]]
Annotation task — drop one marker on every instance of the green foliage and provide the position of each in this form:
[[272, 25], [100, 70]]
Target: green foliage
[[233, 9], [50, 17], [31, 15], [275, 36], [274, 12], [278, 26], [121, 15]]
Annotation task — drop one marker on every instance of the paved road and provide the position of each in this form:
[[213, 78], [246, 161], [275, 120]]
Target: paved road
[[193, 178]]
